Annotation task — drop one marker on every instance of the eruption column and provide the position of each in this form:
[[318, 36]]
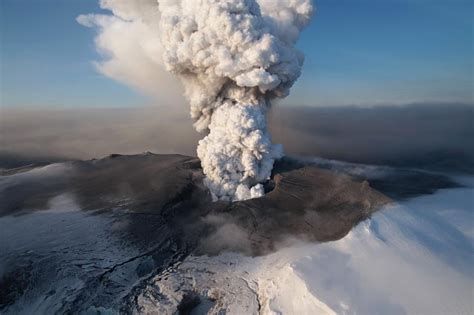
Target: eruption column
[[237, 154], [234, 57]]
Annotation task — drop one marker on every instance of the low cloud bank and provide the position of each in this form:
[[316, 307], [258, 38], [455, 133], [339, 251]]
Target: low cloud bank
[[420, 135], [439, 136], [49, 134]]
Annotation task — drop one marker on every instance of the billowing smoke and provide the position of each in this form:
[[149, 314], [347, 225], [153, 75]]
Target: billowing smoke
[[233, 57], [130, 44]]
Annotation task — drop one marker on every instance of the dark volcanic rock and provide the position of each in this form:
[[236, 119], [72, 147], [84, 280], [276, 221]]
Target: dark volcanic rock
[[303, 201], [306, 203]]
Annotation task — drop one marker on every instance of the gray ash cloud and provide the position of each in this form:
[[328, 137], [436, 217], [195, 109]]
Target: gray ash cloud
[[436, 136]]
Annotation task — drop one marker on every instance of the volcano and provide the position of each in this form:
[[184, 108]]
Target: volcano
[[102, 228]]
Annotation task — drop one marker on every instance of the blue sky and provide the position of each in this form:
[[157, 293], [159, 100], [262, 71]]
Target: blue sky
[[362, 52]]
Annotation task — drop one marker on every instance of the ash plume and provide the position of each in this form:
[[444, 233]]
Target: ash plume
[[233, 57]]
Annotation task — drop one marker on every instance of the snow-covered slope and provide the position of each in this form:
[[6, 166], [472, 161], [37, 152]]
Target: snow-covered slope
[[414, 257]]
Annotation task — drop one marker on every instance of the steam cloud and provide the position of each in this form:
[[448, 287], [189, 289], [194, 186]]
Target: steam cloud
[[233, 57]]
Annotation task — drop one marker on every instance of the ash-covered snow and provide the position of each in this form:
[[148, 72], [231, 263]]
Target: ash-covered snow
[[107, 236]]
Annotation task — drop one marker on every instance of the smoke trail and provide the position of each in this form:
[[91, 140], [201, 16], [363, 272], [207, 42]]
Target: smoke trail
[[233, 57]]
